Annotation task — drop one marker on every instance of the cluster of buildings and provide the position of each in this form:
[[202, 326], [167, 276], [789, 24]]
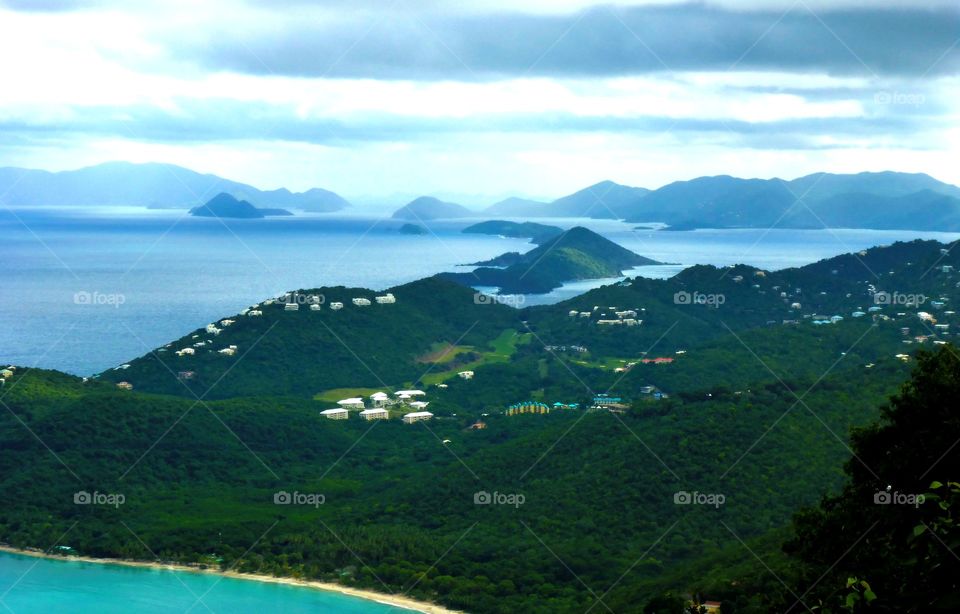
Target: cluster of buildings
[[379, 402], [565, 348], [527, 407], [611, 317], [6, 374]]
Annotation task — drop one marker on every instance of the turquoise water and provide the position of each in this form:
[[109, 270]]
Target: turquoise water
[[29, 584]]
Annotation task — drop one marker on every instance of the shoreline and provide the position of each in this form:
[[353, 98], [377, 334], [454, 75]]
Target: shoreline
[[406, 603]]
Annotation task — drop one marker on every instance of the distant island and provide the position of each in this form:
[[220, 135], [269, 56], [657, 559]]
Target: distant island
[[224, 205], [151, 185], [537, 233], [578, 253], [430, 208], [412, 229]]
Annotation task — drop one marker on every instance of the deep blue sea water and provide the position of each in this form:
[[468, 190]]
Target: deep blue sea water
[[29, 584], [153, 276]]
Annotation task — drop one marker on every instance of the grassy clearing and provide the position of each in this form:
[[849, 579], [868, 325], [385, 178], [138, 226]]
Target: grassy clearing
[[503, 347], [335, 394]]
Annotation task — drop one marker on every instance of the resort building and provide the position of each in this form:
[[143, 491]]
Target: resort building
[[335, 414], [374, 414], [528, 407], [417, 416], [254, 312], [379, 399], [352, 403], [410, 393], [419, 404]]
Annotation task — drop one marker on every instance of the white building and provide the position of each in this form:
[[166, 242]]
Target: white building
[[291, 307], [335, 414], [336, 306], [352, 403], [228, 351], [186, 351], [387, 299], [465, 374], [213, 330], [361, 302], [410, 393], [379, 399], [419, 404], [315, 307], [254, 312], [374, 414], [417, 416]]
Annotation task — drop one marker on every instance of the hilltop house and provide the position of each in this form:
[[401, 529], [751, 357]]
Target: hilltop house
[[186, 351], [125, 385], [213, 330], [337, 413], [226, 322], [386, 299], [417, 416], [254, 312], [409, 393], [361, 302], [336, 306], [351, 403], [374, 414]]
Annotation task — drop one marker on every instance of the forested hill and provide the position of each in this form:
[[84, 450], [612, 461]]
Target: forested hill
[[436, 326], [577, 253], [302, 352]]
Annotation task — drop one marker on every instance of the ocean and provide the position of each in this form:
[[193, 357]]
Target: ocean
[[86, 292], [43, 585]]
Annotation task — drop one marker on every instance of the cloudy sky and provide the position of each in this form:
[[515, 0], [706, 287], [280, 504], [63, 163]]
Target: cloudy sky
[[491, 97]]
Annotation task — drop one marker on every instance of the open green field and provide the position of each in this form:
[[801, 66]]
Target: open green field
[[335, 394], [503, 347]]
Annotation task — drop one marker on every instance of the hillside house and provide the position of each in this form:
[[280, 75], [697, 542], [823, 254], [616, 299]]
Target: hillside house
[[226, 322], [254, 312], [335, 414], [228, 351], [419, 404], [361, 302], [465, 375], [336, 306], [125, 385], [379, 399], [377, 413], [185, 375], [291, 307], [573, 313], [213, 330], [410, 393], [478, 426], [386, 299], [186, 352], [351, 403], [417, 416]]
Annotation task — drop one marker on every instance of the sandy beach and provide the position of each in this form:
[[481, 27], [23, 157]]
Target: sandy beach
[[406, 603]]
